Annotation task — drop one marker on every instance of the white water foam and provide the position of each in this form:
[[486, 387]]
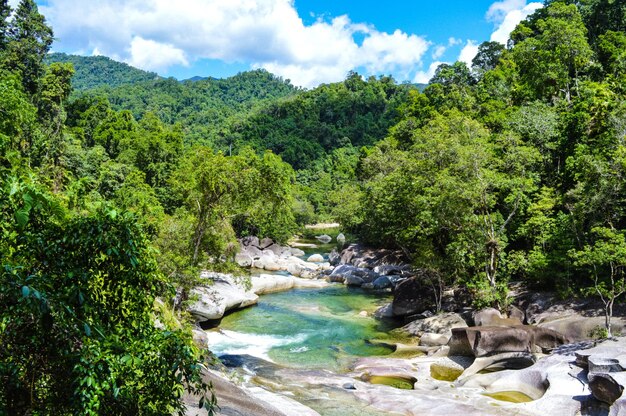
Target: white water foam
[[256, 345]]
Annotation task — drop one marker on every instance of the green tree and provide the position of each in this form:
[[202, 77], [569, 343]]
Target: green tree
[[487, 58], [5, 12], [606, 258], [551, 51], [30, 39], [77, 330]]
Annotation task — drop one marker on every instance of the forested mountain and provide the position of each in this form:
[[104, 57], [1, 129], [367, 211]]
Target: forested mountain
[[96, 71], [202, 106]]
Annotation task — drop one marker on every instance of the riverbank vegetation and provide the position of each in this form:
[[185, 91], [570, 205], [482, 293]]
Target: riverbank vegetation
[[509, 170]]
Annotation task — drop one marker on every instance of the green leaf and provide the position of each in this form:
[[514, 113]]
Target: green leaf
[[22, 216], [25, 291], [87, 329]]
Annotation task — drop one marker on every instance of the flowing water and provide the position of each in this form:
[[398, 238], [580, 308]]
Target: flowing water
[[306, 328]]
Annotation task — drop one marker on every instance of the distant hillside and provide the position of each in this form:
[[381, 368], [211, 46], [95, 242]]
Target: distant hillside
[[97, 71], [201, 105]]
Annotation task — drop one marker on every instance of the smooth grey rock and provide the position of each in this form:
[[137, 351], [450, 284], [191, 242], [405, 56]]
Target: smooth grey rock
[[429, 339], [438, 324], [342, 270], [412, 296], [384, 312], [382, 282], [223, 295], [493, 317], [265, 243], [334, 258], [514, 312], [603, 363], [341, 239], [352, 280], [252, 251], [386, 270], [200, 338], [316, 258], [296, 252], [501, 361], [481, 341], [244, 259], [250, 241], [324, 238]]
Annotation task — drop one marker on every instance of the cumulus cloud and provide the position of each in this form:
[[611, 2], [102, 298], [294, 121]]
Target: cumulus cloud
[[155, 56], [468, 52], [438, 52], [156, 34], [422, 77], [507, 14]]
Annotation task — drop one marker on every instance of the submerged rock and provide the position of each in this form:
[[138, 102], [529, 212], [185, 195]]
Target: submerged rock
[[324, 238]]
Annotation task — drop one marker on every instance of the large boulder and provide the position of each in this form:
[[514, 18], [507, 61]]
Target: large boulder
[[484, 341], [316, 258], [383, 282], [252, 251], [493, 317], [265, 243], [244, 259], [384, 312], [250, 241], [607, 387], [334, 258], [438, 324], [219, 297], [271, 283], [412, 296], [575, 325], [353, 280], [429, 339]]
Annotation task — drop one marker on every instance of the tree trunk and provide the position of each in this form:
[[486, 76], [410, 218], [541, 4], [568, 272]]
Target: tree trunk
[[608, 312]]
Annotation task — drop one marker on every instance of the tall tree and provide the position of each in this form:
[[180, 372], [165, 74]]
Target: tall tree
[[29, 39], [551, 51], [5, 12]]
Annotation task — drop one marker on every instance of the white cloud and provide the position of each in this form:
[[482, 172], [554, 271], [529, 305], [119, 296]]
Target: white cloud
[[154, 56], [156, 34], [468, 52], [498, 10], [438, 52], [507, 15], [382, 52], [422, 77]]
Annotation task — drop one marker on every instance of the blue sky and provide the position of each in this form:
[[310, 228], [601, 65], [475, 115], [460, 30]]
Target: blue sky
[[307, 41]]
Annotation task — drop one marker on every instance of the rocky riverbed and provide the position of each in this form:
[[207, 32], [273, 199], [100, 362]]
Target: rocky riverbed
[[535, 359]]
